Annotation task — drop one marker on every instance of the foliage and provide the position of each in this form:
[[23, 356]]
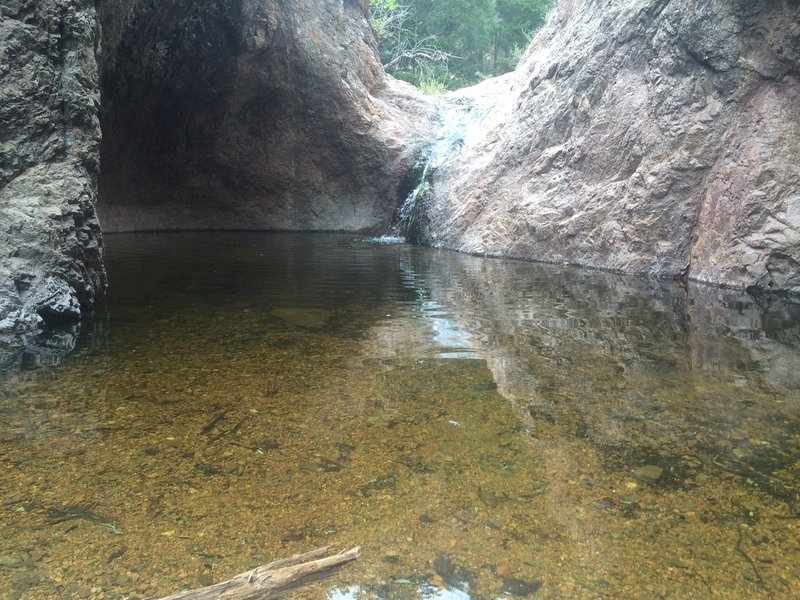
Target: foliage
[[433, 86], [454, 42], [403, 48]]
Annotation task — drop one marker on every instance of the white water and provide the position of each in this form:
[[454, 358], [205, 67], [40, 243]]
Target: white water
[[459, 113]]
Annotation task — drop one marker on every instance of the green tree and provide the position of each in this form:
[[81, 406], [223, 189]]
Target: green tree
[[457, 42], [517, 22], [403, 47], [462, 28]]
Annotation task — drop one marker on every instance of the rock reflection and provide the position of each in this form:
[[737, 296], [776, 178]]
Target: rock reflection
[[636, 366], [26, 351]]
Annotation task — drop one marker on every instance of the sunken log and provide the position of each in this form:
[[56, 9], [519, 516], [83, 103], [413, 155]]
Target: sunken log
[[274, 579]]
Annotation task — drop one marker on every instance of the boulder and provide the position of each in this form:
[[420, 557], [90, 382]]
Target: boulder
[[646, 136], [50, 243]]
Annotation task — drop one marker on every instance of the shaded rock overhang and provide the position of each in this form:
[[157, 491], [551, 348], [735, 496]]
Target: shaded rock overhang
[[245, 114]]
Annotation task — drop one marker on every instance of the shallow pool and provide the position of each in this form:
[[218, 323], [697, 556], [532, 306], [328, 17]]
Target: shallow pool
[[482, 428]]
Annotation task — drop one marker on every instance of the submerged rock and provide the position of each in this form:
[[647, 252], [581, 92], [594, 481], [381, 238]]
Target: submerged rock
[[648, 473], [520, 588], [312, 318], [654, 136]]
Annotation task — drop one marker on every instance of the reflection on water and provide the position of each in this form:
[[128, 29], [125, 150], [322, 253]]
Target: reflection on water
[[32, 350], [483, 429]]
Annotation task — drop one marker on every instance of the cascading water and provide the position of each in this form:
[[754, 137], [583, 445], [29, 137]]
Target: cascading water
[[458, 114]]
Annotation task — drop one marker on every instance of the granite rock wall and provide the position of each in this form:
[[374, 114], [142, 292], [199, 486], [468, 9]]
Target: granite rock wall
[[50, 244], [645, 136], [244, 114]]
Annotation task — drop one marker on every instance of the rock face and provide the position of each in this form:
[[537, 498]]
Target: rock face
[[646, 136], [50, 245], [238, 114], [245, 114]]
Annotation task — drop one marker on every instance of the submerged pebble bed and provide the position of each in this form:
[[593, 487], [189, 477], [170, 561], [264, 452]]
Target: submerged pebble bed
[[481, 428]]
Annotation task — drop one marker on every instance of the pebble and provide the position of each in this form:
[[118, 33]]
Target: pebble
[[504, 571], [649, 473]]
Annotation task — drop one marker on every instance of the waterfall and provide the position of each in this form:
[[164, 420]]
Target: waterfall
[[459, 112]]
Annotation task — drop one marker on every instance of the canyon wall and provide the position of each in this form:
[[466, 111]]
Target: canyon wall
[[237, 114], [645, 136], [244, 114], [50, 245]]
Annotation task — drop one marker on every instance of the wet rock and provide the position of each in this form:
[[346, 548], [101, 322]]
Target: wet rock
[[23, 580], [327, 465], [503, 570], [649, 473], [641, 136], [520, 588], [380, 483], [452, 575], [116, 554], [9, 560], [50, 246], [345, 449]]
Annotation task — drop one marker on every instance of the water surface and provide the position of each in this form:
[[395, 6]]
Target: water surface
[[481, 428]]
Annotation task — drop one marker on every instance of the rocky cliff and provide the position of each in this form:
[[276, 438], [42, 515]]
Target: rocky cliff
[[50, 247], [238, 114], [648, 136], [246, 114], [645, 136]]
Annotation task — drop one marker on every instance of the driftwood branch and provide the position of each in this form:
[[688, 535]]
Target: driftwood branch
[[274, 579]]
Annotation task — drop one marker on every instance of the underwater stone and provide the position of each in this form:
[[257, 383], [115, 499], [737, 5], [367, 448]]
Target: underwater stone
[[649, 473]]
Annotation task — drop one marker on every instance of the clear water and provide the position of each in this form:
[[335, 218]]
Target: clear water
[[481, 428]]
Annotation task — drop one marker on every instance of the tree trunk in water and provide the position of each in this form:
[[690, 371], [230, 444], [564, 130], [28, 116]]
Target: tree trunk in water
[[274, 579]]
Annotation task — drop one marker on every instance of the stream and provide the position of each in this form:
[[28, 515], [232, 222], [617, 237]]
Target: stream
[[482, 428]]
